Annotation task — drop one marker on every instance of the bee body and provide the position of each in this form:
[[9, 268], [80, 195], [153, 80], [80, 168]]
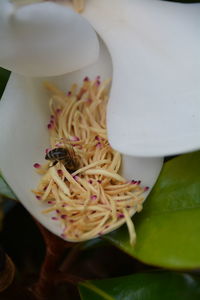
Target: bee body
[[57, 154], [64, 156]]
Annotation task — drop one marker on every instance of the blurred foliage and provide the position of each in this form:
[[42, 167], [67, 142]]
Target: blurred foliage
[[5, 190], [4, 187], [143, 286], [1, 212], [4, 76]]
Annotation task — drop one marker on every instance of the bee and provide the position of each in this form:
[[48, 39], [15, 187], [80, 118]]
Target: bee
[[65, 156]]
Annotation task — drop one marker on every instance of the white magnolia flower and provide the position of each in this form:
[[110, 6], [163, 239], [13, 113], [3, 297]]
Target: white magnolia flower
[[150, 51]]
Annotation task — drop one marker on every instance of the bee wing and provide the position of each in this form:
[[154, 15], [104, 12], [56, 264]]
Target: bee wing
[[73, 162]]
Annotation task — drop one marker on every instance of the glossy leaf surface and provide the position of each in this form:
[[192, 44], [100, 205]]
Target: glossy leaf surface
[[169, 225], [148, 286]]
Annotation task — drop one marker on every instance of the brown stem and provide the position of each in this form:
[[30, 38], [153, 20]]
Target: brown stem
[[55, 248], [61, 278], [71, 257]]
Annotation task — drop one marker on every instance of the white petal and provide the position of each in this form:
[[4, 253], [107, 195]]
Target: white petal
[[154, 108], [43, 39]]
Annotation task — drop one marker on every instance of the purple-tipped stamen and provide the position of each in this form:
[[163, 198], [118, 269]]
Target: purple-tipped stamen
[[63, 217], [58, 110], [86, 79], [37, 166], [60, 172], [98, 145], [75, 138], [97, 138], [146, 188], [120, 216], [98, 82]]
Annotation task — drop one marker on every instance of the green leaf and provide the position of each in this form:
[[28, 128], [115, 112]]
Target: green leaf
[[94, 243], [143, 286], [169, 226], [5, 190], [4, 76]]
